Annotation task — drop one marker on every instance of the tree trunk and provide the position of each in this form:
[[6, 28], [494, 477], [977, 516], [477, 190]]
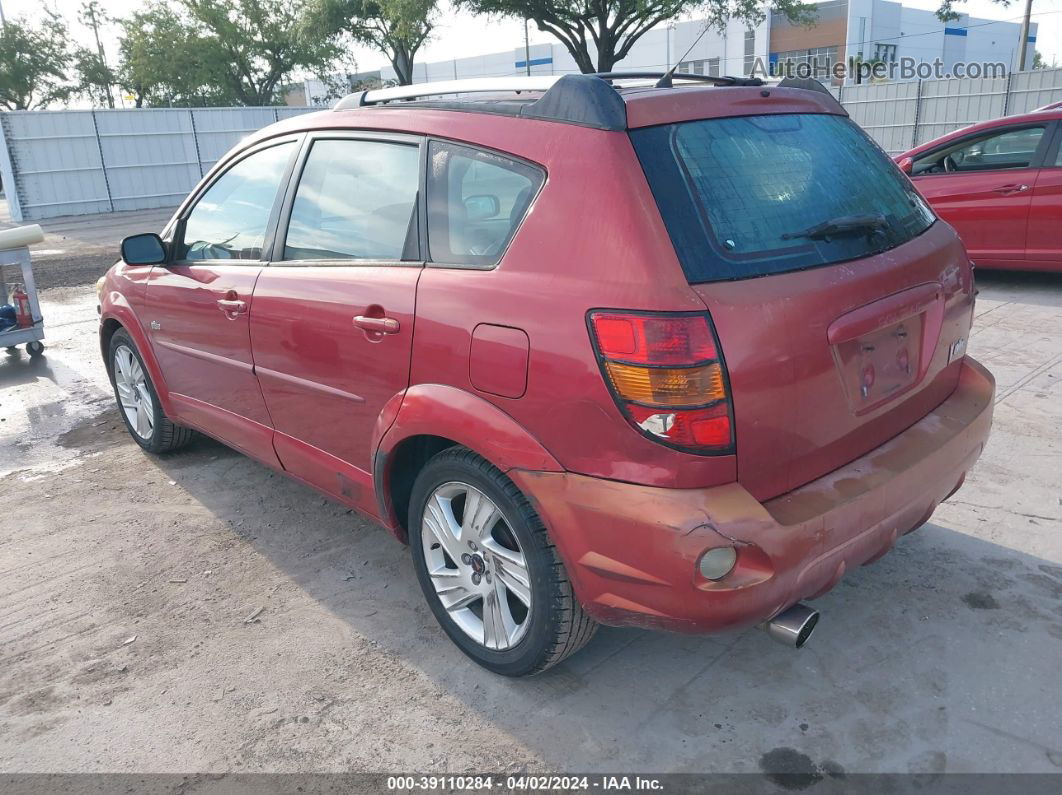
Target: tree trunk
[[606, 59], [582, 59], [403, 66]]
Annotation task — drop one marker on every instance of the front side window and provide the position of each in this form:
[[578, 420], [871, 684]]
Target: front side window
[[355, 200], [996, 151], [476, 200], [230, 220], [755, 195]]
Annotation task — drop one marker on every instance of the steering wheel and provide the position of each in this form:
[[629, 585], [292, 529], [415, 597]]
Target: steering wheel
[[949, 164], [201, 249]]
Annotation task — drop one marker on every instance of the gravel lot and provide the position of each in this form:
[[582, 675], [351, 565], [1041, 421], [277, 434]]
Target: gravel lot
[[129, 582]]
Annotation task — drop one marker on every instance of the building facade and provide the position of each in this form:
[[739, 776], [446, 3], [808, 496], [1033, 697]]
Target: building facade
[[887, 32]]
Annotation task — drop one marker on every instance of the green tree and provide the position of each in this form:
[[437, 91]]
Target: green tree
[[96, 76], [166, 61], [261, 44], [33, 63], [397, 28], [600, 33]]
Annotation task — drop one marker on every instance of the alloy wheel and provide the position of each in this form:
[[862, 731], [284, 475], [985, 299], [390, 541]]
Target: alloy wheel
[[133, 394], [476, 566]]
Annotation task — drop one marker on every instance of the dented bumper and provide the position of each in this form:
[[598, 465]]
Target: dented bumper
[[632, 551]]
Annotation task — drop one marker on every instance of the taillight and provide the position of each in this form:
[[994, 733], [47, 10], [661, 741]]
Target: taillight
[[668, 377]]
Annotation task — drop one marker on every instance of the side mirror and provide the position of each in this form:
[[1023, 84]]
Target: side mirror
[[480, 208], [906, 165], [145, 249]]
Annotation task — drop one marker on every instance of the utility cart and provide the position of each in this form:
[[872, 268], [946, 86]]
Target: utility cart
[[28, 325]]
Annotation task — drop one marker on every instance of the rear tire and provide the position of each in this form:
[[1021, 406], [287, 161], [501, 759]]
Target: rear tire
[[138, 402], [488, 569]]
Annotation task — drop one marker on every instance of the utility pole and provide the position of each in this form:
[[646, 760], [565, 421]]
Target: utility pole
[[1024, 35], [527, 49], [90, 10], [3, 20]]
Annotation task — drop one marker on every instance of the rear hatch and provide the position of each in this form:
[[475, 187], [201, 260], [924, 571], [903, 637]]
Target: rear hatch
[[842, 306]]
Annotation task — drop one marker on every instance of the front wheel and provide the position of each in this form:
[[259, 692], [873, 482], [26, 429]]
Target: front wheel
[[138, 402], [488, 569]]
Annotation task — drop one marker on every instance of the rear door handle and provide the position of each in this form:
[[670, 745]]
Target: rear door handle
[[379, 325], [1015, 188]]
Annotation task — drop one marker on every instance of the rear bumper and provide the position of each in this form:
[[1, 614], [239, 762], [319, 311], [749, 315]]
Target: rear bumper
[[632, 551]]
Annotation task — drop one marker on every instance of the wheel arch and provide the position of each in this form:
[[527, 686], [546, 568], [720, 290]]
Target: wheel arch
[[432, 418], [120, 317]]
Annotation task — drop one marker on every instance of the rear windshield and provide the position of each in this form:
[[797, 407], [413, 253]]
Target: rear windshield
[[756, 195]]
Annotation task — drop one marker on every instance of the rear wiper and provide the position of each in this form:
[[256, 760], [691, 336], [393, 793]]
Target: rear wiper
[[845, 225]]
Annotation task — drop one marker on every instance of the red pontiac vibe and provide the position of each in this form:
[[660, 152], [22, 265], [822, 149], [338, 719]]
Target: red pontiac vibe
[[999, 183], [664, 353]]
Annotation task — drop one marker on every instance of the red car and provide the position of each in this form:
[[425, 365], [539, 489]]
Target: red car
[[999, 183], [655, 355]]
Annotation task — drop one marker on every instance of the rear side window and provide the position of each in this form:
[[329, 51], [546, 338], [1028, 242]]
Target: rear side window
[[355, 200], [476, 200], [751, 196]]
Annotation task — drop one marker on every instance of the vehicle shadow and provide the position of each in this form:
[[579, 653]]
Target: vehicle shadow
[[932, 659]]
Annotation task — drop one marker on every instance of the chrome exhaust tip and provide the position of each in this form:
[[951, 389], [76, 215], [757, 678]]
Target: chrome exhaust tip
[[792, 627]]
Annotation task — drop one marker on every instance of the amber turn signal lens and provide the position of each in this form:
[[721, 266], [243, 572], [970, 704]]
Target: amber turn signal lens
[[668, 386]]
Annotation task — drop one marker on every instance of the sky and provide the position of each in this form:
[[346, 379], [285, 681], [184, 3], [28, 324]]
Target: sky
[[459, 35]]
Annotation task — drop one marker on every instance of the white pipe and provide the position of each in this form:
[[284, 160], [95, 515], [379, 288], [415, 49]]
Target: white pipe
[[21, 236]]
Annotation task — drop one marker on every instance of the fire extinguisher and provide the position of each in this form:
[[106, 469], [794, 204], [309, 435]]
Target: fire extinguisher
[[23, 315]]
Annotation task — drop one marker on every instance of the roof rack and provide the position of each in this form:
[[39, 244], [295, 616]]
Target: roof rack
[[589, 100], [471, 86]]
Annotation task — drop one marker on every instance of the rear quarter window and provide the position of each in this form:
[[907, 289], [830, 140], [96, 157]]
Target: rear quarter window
[[476, 200], [736, 193]]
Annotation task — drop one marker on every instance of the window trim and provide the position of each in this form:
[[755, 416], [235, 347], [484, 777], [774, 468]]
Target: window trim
[[175, 229], [295, 176], [1053, 155], [425, 243], [1036, 161]]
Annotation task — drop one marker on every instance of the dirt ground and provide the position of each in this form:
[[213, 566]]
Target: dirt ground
[[199, 613]]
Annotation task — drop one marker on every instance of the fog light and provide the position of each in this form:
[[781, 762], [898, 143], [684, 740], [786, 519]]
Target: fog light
[[717, 563]]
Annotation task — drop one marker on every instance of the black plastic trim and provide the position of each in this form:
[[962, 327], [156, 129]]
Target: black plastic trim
[[587, 100]]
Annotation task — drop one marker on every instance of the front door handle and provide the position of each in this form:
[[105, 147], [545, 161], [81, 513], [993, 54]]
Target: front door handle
[[1005, 189], [232, 306], [378, 325]]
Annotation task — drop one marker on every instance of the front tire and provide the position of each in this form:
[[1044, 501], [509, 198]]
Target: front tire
[[138, 402], [488, 569]]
